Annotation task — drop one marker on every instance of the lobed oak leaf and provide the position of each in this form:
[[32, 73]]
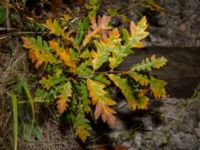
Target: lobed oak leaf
[[100, 56], [82, 127], [96, 28], [158, 87], [149, 63], [39, 51], [63, 97], [52, 81], [142, 79], [102, 102], [64, 54], [83, 93], [54, 27], [134, 100], [137, 33]]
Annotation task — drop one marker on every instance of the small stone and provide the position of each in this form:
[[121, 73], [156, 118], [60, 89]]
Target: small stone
[[182, 134], [127, 144], [147, 123], [119, 124], [183, 27], [189, 141], [159, 139], [169, 111], [185, 128], [147, 135], [118, 136], [138, 139], [197, 132]]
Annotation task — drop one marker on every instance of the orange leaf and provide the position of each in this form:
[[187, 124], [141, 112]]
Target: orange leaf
[[63, 98], [102, 102], [63, 54], [97, 28]]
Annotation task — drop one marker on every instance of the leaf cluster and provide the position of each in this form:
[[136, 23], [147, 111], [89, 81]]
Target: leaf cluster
[[78, 68]]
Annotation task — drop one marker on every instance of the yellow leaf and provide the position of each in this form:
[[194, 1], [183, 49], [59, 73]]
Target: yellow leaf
[[82, 133], [38, 51], [63, 98], [82, 126], [142, 79], [134, 99], [54, 27], [63, 54], [158, 87], [102, 102]]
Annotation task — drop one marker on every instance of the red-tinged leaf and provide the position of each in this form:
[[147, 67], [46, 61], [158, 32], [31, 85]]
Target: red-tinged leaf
[[39, 51], [97, 28], [102, 102], [137, 34], [63, 98]]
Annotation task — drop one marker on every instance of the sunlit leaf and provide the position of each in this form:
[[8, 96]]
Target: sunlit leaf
[[149, 63], [158, 87], [100, 56], [142, 79], [64, 54], [54, 27], [137, 33], [96, 28]]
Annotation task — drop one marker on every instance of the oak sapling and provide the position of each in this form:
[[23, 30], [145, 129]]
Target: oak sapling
[[78, 67]]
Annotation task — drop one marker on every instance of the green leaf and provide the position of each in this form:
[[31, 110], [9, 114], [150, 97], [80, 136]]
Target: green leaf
[[85, 54], [149, 63], [100, 56], [158, 87], [84, 69], [113, 11], [35, 43], [39, 51], [83, 27], [84, 96], [102, 78], [63, 98], [54, 27], [93, 6], [142, 79], [134, 99], [82, 127], [137, 33], [52, 81]]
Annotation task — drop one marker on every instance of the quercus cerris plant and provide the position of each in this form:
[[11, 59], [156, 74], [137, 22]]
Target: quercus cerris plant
[[73, 76]]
